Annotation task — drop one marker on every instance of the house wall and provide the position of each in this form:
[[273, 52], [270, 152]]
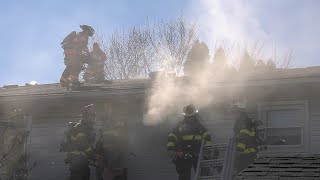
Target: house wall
[[310, 94], [49, 122], [45, 139], [10, 143], [147, 157], [148, 143], [219, 123], [151, 161], [314, 125]]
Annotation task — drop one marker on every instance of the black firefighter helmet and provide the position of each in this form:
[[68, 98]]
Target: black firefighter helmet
[[189, 110], [88, 29]]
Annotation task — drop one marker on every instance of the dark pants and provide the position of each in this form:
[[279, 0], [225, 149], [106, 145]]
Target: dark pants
[[79, 168], [121, 175], [183, 167], [114, 163], [80, 174], [72, 70]]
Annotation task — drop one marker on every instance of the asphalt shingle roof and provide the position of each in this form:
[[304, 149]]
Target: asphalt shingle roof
[[283, 167], [55, 88], [139, 84]]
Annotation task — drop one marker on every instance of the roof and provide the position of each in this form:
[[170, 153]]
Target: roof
[[283, 167], [56, 89], [309, 75]]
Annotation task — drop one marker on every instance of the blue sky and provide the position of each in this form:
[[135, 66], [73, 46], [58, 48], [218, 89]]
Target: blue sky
[[32, 30]]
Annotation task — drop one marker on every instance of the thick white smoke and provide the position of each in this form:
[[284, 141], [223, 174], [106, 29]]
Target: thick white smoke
[[167, 98], [228, 22], [223, 22]]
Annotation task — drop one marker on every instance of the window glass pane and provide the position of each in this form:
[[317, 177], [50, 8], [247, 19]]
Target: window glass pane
[[285, 118], [284, 136]]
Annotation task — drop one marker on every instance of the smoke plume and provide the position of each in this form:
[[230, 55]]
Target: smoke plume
[[219, 21]]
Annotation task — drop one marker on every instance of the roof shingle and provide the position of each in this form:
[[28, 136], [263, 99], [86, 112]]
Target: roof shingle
[[282, 167]]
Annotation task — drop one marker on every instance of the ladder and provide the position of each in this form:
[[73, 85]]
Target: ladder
[[212, 167]]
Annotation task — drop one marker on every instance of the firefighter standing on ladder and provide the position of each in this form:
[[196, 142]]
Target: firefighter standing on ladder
[[246, 141], [75, 47], [78, 144], [112, 148], [184, 142]]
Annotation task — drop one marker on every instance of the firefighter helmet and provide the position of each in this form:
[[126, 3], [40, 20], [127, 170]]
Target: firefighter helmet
[[189, 110], [88, 114], [87, 29]]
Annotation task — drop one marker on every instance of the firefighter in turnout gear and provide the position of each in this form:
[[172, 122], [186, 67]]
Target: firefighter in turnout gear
[[78, 143], [184, 142], [95, 69], [112, 150], [76, 52], [246, 141]]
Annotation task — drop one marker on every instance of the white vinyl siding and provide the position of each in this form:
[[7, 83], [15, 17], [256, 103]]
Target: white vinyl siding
[[151, 161], [315, 125], [219, 124], [45, 138]]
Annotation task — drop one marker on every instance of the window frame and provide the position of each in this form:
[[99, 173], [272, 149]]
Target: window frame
[[288, 105]]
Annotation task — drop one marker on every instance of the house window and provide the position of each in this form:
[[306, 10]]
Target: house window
[[284, 127], [284, 136], [284, 123]]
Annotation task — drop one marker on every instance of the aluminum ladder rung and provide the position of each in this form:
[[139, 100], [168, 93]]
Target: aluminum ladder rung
[[211, 162], [215, 166], [215, 146]]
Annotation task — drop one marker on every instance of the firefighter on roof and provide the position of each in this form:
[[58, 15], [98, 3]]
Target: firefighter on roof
[[76, 51], [184, 142], [246, 141], [95, 69], [78, 143]]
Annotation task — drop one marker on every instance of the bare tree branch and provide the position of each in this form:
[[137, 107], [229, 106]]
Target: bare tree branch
[[158, 45], [235, 52]]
